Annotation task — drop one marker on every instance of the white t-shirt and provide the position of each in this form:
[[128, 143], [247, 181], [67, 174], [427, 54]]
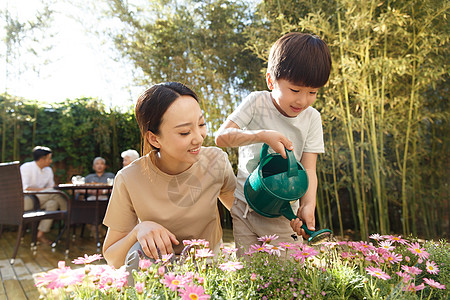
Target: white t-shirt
[[257, 112], [36, 178]]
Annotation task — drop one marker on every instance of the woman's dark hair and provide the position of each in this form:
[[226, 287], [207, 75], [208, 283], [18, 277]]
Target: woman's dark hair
[[40, 151], [300, 58], [152, 105]]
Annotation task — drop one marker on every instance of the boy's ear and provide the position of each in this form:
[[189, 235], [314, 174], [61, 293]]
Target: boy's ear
[[152, 139], [269, 81]]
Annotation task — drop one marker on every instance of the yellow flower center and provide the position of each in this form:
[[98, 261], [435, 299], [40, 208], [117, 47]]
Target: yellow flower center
[[418, 250], [390, 258], [305, 253], [193, 296], [378, 273], [175, 282]]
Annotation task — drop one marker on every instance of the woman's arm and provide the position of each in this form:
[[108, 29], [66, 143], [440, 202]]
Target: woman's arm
[[227, 199], [149, 234], [230, 135]]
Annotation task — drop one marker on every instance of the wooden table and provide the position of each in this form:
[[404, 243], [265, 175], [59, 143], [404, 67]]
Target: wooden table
[[85, 211]]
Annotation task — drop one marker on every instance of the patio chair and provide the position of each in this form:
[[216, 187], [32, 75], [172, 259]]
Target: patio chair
[[12, 205]]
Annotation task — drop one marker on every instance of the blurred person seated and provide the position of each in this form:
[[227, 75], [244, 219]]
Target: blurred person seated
[[129, 156], [38, 176], [100, 176]]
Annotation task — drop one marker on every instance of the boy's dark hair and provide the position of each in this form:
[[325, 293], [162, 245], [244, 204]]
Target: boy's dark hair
[[300, 58], [40, 151]]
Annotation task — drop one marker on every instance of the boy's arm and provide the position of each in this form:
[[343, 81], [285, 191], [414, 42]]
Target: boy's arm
[[308, 201], [230, 135]]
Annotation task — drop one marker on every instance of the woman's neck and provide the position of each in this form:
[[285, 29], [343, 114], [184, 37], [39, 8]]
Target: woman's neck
[[170, 167]]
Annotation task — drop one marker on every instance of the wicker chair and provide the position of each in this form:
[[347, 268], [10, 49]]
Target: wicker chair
[[12, 204]]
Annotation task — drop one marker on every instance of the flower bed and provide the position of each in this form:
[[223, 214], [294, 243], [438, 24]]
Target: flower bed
[[389, 268]]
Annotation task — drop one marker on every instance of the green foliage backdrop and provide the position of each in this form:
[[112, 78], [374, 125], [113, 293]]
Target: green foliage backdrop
[[76, 130]]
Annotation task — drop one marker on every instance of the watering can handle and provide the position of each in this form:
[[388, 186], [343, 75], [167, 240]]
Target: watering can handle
[[292, 162]]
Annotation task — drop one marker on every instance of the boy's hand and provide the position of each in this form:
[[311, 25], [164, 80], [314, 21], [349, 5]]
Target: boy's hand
[[305, 214], [277, 141]]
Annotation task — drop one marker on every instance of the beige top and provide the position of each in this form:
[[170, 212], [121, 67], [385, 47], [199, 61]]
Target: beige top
[[185, 204]]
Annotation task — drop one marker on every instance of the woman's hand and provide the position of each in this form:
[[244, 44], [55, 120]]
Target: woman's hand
[[151, 236]]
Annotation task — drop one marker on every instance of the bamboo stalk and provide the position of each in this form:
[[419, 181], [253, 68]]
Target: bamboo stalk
[[327, 196], [336, 193], [349, 134], [405, 208]]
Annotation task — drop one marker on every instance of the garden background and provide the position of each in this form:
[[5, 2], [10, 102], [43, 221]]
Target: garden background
[[385, 110]]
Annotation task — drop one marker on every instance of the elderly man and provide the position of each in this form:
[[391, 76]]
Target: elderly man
[[38, 176], [129, 156], [100, 176]]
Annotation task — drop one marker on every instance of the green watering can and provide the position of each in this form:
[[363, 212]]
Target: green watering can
[[274, 184]]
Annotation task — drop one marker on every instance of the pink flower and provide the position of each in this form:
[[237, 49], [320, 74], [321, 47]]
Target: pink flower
[[194, 292], [286, 245], [253, 277], [386, 245], [274, 250], [165, 258], [411, 270], [432, 267], [229, 250], [418, 251], [376, 236], [348, 255], [392, 257], [268, 238], [231, 266], [257, 248], [434, 284], [202, 253], [377, 273], [406, 277], [60, 278], [111, 277], [144, 264], [139, 287], [363, 246], [161, 271], [302, 254], [413, 288], [202, 243], [86, 259], [173, 281], [397, 239], [372, 256]]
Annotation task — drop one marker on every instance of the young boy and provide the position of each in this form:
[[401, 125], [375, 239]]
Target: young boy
[[299, 64]]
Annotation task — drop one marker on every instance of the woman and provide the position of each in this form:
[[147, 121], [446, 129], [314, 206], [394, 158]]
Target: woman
[[170, 194]]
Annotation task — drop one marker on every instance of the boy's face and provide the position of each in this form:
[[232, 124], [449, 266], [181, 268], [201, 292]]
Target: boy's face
[[290, 99]]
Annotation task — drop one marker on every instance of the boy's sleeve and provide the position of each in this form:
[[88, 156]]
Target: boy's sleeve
[[314, 140], [243, 114]]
